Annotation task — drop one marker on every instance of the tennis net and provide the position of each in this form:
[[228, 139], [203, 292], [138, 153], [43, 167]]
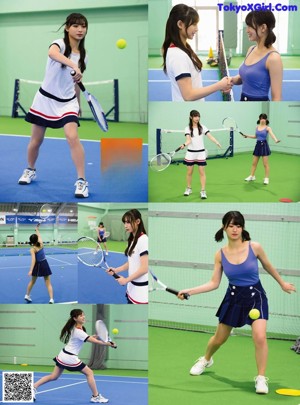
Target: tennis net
[[223, 62], [106, 91]]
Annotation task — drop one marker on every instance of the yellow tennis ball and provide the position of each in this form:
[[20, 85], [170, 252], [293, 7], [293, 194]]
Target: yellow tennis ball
[[115, 331], [121, 43], [254, 314]]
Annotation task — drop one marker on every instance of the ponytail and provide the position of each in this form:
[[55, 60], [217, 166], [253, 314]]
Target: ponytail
[[236, 218]]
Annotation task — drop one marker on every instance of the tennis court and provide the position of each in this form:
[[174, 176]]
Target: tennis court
[[56, 178], [183, 258], [120, 373], [225, 175]]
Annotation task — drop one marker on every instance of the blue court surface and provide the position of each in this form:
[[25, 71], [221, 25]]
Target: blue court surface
[[72, 389], [95, 286], [159, 86], [14, 279], [56, 174]]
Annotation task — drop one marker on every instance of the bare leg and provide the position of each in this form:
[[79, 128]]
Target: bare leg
[[189, 175], [266, 165], [90, 380], [56, 373], [219, 338], [49, 286], [77, 151], [37, 138], [30, 285], [254, 165], [259, 336], [202, 177]]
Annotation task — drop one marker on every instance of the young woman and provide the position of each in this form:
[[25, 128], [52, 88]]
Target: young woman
[[180, 61], [56, 103], [262, 68], [74, 336], [239, 261], [39, 266], [261, 148], [137, 264], [101, 236], [196, 154]]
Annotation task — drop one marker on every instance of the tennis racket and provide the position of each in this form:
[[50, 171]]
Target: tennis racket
[[91, 254], [94, 105], [230, 123], [155, 285], [102, 333], [162, 161], [43, 213]]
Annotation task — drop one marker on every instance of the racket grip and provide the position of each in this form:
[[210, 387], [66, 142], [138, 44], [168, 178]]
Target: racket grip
[[175, 292], [80, 84], [115, 276]]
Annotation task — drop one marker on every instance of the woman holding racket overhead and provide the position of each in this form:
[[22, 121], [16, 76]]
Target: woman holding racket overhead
[[39, 266], [56, 104], [196, 154], [74, 335], [101, 236], [262, 68], [239, 261], [181, 63], [137, 264], [262, 149]]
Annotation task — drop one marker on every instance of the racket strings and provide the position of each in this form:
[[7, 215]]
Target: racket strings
[[89, 252], [160, 162]]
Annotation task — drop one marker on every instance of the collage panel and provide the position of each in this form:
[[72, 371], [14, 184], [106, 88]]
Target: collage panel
[[80, 368], [193, 248], [45, 115]]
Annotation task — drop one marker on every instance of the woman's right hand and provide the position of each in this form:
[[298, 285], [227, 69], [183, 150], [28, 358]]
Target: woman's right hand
[[225, 84], [78, 75], [111, 271]]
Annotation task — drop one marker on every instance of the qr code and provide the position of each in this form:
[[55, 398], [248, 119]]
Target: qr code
[[17, 386]]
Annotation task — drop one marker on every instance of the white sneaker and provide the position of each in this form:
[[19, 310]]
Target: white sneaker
[[266, 180], [187, 192], [51, 301], [250, 178], [27, 298], [106, 253], [200, 366], [261, 384], [27, 176], [82, 190], [99, 398], [203, 194], [34, 393]]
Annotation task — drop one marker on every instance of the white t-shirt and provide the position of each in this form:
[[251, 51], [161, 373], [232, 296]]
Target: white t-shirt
[[77, 338], [197, 139], [58, 81], [180, 65], [138, 294]]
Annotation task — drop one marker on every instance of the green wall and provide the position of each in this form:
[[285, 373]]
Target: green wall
[[26, 35]]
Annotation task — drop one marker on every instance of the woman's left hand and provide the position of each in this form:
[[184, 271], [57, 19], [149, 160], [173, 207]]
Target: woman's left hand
[[288, 287], [122, 280]]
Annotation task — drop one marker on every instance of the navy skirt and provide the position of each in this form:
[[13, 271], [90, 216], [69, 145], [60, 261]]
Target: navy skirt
[[238, 302], [41, 269], [262, 149], [245, 97]]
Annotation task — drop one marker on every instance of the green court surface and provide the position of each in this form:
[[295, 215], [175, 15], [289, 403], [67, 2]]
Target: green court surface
[[88, 129], [229, 381], [289, 62], [225, 181]]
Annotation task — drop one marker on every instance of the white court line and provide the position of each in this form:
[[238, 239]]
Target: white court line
[[59, 388], [58, 260]]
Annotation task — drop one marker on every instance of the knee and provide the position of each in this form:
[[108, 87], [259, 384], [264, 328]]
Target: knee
[[72, 139], [260, 340], [220, 340]]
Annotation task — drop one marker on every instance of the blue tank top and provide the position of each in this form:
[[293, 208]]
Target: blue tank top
[[261, 135], [242, 274], [256, 77], [40, 255]]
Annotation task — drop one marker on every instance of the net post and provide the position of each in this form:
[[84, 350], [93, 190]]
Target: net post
[[14, 113], [116, 100], [158, 141]]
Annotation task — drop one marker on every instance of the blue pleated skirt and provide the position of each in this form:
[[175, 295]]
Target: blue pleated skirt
[[262, 149], [238, 302]]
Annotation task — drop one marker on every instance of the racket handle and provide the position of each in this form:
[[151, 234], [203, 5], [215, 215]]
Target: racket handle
[[115, 276], [178, 149], [175, 292], [80, 84]]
